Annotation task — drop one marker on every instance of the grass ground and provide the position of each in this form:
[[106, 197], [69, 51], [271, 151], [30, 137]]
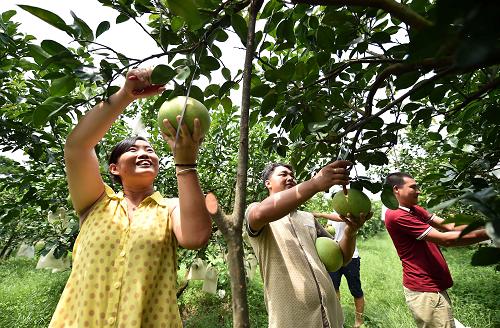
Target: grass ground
[[28, 296], [475, 294]]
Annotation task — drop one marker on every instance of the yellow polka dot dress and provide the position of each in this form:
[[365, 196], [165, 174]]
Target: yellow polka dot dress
[[124, 273]]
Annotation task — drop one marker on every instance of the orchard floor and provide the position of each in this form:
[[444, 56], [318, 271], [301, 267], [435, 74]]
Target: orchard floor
[[28, 296]]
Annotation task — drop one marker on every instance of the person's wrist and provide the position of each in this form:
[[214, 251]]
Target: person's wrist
[[185, 170], [350, 232], [316, 184], [122, 96]]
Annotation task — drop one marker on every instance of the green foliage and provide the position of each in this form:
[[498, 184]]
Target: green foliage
[[324, 78], [28, 297], [474, 297], [375, 225]]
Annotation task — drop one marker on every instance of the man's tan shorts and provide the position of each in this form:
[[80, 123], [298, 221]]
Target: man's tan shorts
[[430, 309]]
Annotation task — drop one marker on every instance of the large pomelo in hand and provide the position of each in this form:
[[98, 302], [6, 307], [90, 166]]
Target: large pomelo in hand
[[329, 253], [355, 202], [194, 109]]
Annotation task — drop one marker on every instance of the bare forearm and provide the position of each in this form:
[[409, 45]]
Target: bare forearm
[[280, 204], [476, 236], [329, 216], [194, 217], [93, 126], [348, 244]]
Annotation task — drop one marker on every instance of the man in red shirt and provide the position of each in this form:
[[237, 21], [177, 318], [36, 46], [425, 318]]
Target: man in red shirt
[[417, 235]]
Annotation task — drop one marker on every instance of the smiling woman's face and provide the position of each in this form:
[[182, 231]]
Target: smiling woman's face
[[139, 160]]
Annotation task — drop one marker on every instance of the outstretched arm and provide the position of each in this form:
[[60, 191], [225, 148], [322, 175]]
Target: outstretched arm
[[329, 216], [438, 223], [82, 167], [452, 239], [280, 204], [191, 221], [348, 242]]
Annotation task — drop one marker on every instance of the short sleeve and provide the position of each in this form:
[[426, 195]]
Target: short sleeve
[[408, 225], [250, 232], [422, 214]]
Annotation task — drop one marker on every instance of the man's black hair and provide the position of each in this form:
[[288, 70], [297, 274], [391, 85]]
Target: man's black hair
[[397, 178], [269, 169], [118, 150]]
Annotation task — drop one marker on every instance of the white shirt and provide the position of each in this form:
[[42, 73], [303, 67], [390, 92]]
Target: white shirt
[[339, 233]]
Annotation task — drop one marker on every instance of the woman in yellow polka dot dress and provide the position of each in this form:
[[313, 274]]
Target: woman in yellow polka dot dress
[[124, 259]]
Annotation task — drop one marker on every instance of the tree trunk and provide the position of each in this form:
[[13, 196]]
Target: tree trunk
[[231, 225], [4, 253], [238, 281]]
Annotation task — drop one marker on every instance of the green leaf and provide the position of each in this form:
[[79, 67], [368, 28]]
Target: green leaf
[[221, 36], [269, 102], [406, 80], [377, 158], [226, 73], [388, 199], [269, 8], [422, 91], [182, 73], [316, 126], [444, 204], [62, 86], [102, 27], [41, 115], [37, 53], [50, 18], [209, 63], [381, 37], [7, 15], [54, 48], [471, 227], [486, 256], [225, 87], [435, 136], [260, 90], [375, 124], [281, 150], [438, 93], [84, 30], [325, 38], [460, 219], [162, 74], [240, 27], [284, 31], [122, 18], [285, 72], [188, 10]]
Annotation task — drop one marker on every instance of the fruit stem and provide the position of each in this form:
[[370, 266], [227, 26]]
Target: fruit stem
[[345, 189]]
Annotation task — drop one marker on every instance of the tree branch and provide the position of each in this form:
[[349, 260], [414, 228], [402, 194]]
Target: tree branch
[[401, 68], [344, 65], [396, 9], [241, 174], [359, 124], [482, 91]]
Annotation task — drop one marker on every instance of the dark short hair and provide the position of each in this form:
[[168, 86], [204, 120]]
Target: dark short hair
[[269, 169], [118, 150], [397, 179]]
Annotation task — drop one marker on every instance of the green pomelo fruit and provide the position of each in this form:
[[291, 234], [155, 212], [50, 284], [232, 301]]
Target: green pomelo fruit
[[194, 109], [329, 253], [355, 202], [331, 230]]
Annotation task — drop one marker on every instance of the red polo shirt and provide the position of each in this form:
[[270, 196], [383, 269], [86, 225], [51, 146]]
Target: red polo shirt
[[424, 267]]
